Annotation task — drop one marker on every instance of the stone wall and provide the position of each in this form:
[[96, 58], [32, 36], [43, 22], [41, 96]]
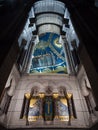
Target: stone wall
[[27, 82]]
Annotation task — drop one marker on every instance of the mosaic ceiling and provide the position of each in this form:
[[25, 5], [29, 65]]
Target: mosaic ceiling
[[48, 55]]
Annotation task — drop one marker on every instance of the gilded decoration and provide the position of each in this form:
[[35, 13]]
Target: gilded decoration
[[48, 106]]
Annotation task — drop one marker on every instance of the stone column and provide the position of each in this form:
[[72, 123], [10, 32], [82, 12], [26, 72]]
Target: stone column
[[41, 107], [85, 92], [67, 96], [26, 58], [41, 95], [22, 57], [28, 97], [72, 67], [55, 108], [30, 58], [5, 103], [67, 56], [55, 98], [70, 107], [26, 107], [91, 73]]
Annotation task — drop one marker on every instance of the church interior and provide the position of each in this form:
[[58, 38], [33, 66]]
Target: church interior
[[48, 64]]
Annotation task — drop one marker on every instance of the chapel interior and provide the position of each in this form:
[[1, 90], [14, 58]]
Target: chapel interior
[[48, 64]]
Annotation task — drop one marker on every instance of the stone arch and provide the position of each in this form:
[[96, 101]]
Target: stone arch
[[43, 87], [30, 86], [48, 84], [51, 85], [65, 85]]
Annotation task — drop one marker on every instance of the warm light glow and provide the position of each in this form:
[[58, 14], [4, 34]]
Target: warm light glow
[[27, 95], [32, 102], [32, 118], [69, 95], [64, 101], [64, 118], [55, 95], [41, 95]]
